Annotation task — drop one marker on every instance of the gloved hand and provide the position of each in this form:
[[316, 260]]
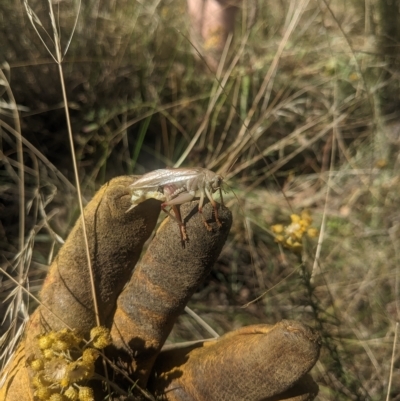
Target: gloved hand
[[258, 362]]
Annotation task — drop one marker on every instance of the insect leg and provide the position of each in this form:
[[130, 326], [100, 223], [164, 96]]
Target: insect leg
[[181, 198], [182, 226], [214, 205], [201, 201], [177, 218], [220, 195]]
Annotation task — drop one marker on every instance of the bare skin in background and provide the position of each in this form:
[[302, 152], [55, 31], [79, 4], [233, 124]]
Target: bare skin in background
[[141, 304], [211, 22]]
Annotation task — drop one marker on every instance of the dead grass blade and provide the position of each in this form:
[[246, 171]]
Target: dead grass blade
[[392, 361], [216, 92], [237, 146]]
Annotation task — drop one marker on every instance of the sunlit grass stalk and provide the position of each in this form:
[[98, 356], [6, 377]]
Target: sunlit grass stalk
[[216, 92], [316, 264], [201, 321], [57, 46], [238, 145], [392, 361]]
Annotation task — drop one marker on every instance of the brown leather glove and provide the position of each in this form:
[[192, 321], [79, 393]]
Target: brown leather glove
[[253, 363]]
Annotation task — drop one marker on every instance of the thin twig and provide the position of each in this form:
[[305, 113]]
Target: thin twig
[[78, 187]]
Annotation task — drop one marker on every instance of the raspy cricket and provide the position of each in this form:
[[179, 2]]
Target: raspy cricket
[[175, 186]]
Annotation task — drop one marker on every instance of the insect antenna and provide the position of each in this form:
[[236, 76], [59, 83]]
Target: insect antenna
[[223, 175], [231, 167]]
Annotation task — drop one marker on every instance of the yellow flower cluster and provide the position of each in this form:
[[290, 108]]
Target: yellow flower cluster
[[100, 337], [291, 236], [64, 363]]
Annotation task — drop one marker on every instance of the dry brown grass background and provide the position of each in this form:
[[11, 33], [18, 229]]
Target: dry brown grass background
[[304, 120]]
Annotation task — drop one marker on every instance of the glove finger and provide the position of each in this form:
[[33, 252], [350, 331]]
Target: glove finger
[[252, 363], [162, 284]]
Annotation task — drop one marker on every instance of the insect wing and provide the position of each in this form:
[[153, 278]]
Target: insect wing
[[162, 177]]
